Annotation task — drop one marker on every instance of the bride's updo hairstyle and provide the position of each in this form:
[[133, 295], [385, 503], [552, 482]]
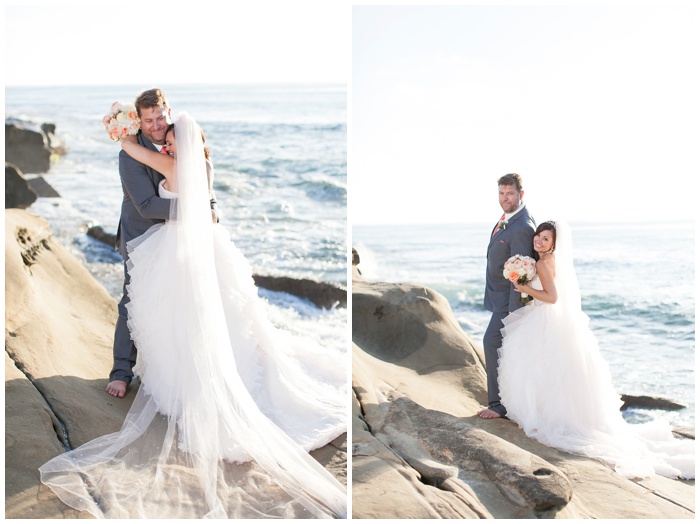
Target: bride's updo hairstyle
[[548, 226]]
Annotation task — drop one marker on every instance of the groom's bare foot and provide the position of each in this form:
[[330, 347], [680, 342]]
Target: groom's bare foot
[[489, 413], [116, 388]]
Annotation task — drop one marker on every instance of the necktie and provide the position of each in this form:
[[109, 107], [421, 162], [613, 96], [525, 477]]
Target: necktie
[[495, 229], [164, 150]]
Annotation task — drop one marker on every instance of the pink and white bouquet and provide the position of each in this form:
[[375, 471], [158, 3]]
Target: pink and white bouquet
[[520, 269], [122, 120]]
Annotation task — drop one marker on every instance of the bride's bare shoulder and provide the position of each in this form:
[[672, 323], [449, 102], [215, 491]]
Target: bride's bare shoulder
[[546, 262]]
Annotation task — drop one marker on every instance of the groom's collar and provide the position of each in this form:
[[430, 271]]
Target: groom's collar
[[147, 142], [511, 215]]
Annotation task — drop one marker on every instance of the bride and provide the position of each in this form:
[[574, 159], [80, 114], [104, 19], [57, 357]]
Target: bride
[[229, 405], [556, 385]]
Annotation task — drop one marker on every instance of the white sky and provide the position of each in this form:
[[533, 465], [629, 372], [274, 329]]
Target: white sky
[[88, 43], [596, 107]]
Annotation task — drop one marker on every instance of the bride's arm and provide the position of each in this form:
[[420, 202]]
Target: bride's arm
[[164, 164], [548, 293]]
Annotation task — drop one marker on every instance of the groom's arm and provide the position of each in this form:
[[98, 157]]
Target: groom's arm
[[139, 186]]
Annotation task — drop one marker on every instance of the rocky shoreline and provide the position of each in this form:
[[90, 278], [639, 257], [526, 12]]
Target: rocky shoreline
[[420, 451], [322, 294], [59, 325], [29, 149]]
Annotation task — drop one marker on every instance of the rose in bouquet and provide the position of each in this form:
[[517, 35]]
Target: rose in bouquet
[[122, 120], [520, 269]]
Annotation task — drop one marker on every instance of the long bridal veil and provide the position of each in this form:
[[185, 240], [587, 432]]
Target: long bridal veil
[[569, 294], [567, 399], [196, 442]]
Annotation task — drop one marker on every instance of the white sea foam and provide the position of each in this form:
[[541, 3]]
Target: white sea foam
[[637, 285]]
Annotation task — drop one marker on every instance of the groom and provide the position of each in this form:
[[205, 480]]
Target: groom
[[141, 209], [511, 236]]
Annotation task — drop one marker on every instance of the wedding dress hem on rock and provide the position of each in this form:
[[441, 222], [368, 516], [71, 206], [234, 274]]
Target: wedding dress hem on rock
[[557, 387], [228, 405]]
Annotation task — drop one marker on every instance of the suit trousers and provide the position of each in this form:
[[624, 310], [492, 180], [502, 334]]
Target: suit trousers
[[124, 350], [493, 339]]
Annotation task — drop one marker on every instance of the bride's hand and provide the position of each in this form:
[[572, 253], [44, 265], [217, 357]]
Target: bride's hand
[[521, 288]]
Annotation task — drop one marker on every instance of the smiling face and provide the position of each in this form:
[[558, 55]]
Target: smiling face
[[509, 197], [170, 143], [154, 123], [543, 241]]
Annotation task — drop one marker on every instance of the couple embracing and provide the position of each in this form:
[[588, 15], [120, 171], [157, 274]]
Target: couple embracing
[[228, 405], [544, 368]]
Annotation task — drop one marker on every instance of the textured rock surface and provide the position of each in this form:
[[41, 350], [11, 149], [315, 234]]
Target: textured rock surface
[[18, 192], [98, 233], [26, 148], [42, 188], [420, 451], [59, 324], [322, 294]]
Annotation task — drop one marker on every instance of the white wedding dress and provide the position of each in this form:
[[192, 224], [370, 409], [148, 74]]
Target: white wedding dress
[[228, 405], [556, 386]]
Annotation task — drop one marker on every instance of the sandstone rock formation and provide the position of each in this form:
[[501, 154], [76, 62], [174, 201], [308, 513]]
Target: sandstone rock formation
[[322, 294], [55, 143], [420, 451], [59, 324], [18, 192], [98, 233], [41, 187], [31, 150], [643, 401]]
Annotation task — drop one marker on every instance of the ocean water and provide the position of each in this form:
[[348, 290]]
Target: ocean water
[[279, 154], [637, 286]]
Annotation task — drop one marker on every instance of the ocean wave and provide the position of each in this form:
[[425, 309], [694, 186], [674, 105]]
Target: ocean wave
[[323, 189], [622, 309]]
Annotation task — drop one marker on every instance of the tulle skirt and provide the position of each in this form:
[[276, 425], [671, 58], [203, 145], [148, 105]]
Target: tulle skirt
[[557, 387], [228, 405]]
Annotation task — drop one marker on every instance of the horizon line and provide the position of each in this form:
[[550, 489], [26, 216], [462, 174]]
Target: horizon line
[[572, 222]]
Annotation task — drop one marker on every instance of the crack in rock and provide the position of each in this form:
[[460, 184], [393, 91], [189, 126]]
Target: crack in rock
[[58, 425]]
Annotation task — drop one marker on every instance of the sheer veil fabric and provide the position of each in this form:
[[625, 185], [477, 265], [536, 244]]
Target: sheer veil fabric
[[228, 406], [558, 388]]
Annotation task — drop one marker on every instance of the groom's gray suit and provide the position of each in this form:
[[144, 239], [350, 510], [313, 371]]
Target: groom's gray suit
[[141, 209], [500, 297]]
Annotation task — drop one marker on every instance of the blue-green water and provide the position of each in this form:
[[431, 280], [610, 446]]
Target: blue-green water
[[279, 154], [637, 286]]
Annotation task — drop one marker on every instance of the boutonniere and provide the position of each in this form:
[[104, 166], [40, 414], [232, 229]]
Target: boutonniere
[[502, 224]]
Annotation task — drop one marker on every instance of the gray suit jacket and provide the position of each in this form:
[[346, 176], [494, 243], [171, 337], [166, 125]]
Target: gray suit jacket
[[141, 205], [515, 239]]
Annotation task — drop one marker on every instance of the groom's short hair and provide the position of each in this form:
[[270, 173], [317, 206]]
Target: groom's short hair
[[511, 179], [152, 98]]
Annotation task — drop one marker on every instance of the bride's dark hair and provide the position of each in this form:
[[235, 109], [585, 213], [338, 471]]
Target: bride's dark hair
[[548, 226], [207, 153]]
